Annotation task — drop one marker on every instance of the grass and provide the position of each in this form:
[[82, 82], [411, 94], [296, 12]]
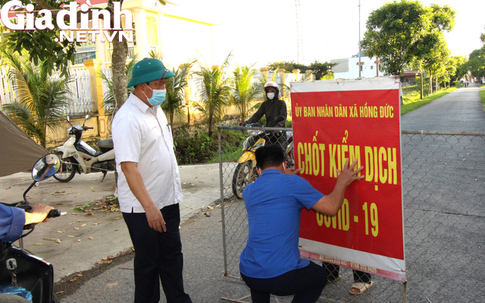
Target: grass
[[412, 101], [482, 96]]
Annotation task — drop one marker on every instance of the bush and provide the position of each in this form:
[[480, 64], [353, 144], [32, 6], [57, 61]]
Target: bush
[[193, 145]]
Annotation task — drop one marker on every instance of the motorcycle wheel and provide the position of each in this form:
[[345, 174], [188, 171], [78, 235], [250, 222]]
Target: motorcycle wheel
[[67, 171], [243, 175]]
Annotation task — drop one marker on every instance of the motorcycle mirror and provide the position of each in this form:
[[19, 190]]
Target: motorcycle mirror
[[46, 167], [86, 118], [68, 120]]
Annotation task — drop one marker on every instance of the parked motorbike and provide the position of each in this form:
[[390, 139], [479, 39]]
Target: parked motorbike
[[245, 172], [78, 156], [21, 272]]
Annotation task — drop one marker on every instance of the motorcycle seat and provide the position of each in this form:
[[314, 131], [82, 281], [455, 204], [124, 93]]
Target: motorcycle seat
[[106, 143]]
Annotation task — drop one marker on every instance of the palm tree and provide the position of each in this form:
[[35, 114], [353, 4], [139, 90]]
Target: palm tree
[[109, 96], [214, 90], [175, 88], [245, 90], [175, 91], [41, 98]]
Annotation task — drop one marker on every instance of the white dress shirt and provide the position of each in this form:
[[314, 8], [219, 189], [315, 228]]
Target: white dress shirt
[[141, 134]]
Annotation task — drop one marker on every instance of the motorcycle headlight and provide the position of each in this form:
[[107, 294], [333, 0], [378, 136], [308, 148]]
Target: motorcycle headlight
[[289, 147], [259, 144], [246, 144]]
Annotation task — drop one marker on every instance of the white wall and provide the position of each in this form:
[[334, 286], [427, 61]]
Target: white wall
[[349, 68]]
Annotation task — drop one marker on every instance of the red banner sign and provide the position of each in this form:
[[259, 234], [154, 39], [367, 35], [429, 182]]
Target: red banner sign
[[352, 119]]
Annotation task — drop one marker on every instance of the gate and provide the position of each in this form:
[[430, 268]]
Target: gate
[[443, 177]]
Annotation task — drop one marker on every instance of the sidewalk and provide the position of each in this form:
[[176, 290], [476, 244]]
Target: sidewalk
[[79, 240], [203, 271]]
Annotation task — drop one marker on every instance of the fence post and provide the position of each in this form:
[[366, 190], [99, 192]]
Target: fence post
[[264, 70], [187, 93], [310, 74], [297, 74], [96, 83], [282, 78]]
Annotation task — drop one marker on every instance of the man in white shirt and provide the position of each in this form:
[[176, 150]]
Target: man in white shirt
[[149, 189]]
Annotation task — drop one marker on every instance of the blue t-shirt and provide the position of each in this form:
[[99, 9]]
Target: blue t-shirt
[[274, 202]]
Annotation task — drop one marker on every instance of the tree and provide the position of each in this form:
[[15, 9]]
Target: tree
[[400, 33], [42, 98], [175, 91], [459, 63], [435, 57], [245, 90], [320, 70], [476, 63], [108, 97], [287, 66], [43, 48], [41, 44], [176, 86], [118, 67], [214, 90]]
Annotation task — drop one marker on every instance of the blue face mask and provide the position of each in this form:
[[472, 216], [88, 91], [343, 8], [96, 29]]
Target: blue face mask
[[158, 96]]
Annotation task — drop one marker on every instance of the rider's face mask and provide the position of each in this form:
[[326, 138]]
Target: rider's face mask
[[270, 96], [157, 97]]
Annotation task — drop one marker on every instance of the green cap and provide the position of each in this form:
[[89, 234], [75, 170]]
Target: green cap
[[147, 70]]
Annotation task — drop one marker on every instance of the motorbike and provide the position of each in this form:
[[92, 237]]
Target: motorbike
[[245, 172], [78, 156], [21, 272]]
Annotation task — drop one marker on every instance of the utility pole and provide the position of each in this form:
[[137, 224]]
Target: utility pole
[[298, 37], [360, 63]]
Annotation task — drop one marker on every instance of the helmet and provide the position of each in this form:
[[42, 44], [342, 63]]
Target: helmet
[[147, 70], [271, 84]]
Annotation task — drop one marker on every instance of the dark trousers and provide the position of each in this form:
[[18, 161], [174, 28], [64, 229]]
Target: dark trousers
[[158, 257], [305, 283], [333, 273]]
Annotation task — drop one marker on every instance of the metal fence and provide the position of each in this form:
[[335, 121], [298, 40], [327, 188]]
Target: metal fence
[[443, 177], [80, 88], [8, 92]]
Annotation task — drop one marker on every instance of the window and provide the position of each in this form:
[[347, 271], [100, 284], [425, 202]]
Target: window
[[85, 51], [80, 57]]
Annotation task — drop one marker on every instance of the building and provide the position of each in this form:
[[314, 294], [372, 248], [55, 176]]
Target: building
[[348, 68], [149, 27], [157, 28]]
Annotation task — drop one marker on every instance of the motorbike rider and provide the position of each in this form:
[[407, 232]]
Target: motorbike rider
[[12, 220], [272, 108], [275, 112]]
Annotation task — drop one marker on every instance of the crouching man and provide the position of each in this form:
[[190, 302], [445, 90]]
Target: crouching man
[[270, 262]]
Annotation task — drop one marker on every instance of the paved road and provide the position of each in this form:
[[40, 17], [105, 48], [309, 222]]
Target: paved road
[[444, 191], [68, 242], [460, 111], [444, 225]]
